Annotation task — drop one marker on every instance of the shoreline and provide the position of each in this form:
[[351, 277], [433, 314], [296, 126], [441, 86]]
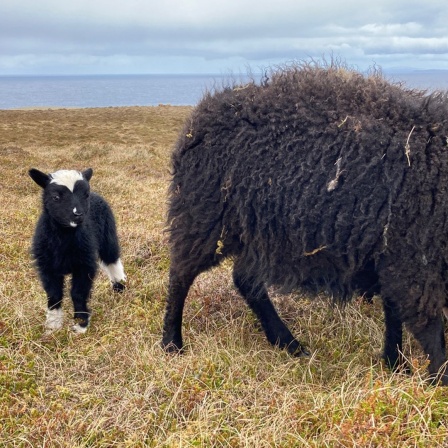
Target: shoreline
[[31, 108]]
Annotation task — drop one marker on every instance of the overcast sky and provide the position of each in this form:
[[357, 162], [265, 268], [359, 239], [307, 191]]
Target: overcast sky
[[226, 36]]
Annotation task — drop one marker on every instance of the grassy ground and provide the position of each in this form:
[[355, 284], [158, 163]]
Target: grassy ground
[[114, 386]]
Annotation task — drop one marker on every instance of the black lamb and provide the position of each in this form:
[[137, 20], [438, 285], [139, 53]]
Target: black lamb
[[317, 177], [76, 228]]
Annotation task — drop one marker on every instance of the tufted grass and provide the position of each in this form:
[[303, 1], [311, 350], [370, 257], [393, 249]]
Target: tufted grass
[[114, 387]]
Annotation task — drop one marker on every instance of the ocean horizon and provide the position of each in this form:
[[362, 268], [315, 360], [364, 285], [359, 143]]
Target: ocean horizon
[[84, 91]]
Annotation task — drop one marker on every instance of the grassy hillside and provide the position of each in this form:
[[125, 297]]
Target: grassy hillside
[[114, 386]]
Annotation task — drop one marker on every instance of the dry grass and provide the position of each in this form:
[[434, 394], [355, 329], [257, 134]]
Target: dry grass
[[115, 387]]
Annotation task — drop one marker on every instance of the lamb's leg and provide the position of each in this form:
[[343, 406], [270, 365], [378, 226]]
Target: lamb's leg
[[82, 282], [53, 286], [432, 340], [258, 300], [115, 271], [393, 340], [110, 262]]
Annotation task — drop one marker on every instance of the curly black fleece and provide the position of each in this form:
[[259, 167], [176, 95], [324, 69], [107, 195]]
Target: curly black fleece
[[318, 176]]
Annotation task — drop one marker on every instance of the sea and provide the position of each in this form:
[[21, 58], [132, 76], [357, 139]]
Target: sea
[[19, 92]]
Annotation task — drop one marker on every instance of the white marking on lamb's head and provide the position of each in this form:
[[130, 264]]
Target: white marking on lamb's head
[[67, 178], [66, 195]]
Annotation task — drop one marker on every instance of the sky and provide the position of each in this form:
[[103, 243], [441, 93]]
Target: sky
[[217, 37]]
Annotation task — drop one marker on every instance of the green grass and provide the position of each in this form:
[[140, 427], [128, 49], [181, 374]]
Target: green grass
[[114, 386]]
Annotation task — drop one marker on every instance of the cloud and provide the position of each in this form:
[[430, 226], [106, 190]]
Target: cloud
[[149, 35], [392, 29]]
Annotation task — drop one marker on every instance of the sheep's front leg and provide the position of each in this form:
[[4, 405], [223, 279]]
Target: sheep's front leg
[[82, 282], [53, 286]]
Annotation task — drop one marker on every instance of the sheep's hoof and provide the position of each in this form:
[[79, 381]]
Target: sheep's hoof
[[444, 380], [403, 369], [439, 379], [172, 348], [118, 287], [298, 350], [399, 365]]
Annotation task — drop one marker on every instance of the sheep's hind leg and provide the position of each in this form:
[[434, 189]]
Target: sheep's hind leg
[[432, 340], [256, 296]]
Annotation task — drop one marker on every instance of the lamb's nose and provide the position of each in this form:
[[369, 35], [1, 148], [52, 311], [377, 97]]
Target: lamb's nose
[[76, 212]]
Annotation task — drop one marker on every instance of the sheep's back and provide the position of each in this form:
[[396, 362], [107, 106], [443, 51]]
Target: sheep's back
[[316, 171]]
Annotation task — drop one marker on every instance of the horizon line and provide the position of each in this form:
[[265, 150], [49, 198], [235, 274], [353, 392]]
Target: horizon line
[[384, 70]]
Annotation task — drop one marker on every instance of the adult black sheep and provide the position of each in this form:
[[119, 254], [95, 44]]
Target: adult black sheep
[[317, 177]]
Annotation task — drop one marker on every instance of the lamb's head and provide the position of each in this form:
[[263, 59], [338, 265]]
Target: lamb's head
[[66, 194]]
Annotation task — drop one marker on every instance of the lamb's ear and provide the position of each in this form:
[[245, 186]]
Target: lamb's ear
[[87, 174], [39, 177]]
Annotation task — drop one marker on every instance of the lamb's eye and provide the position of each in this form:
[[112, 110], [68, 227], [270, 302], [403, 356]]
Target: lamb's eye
[[56, 197]]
